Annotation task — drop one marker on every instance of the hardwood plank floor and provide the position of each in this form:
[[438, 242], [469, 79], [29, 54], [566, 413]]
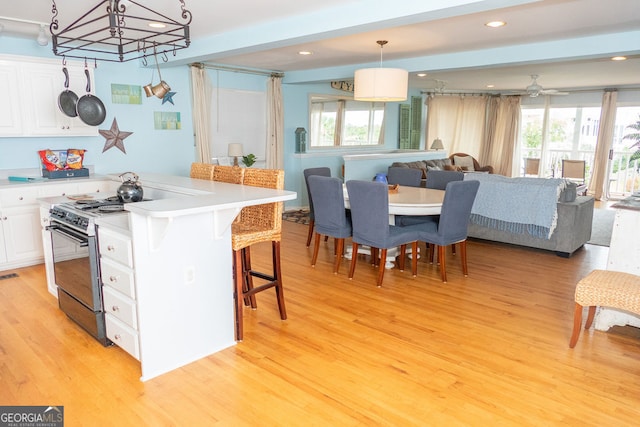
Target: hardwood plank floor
[[489, 349]]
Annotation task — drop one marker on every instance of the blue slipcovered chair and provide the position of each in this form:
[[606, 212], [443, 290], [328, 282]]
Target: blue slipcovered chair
[[437, 180], [369, 202], [330, 215], [409, 177], [452, 225], [322, 171]]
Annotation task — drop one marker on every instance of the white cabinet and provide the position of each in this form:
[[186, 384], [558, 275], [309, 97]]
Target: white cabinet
[[118, 287], [10, 116], [31, 87], [20, 237]]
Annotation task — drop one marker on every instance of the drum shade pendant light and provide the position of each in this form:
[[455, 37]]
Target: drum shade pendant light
[[381, 84]]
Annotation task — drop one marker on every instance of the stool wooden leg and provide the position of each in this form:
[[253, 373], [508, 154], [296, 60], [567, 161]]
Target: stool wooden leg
[[577, 322], [590, 316], [403, 255], [238, 284], [277, 275], [414, 258], [248, 278]]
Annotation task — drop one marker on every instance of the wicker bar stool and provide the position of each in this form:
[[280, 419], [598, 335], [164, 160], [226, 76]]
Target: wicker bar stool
[[260, 223], [201, 171], [608, 289], [230, 174]]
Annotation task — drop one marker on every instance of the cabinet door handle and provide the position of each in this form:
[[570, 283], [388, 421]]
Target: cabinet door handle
[[20, 198], [115, 308], [113, 279], [117, 337], [111, 248]]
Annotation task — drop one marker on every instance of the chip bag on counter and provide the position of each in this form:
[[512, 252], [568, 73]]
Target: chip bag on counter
[[74, 158], [53, 159]]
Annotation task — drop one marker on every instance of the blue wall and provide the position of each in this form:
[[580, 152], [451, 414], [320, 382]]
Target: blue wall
[[172, 151]]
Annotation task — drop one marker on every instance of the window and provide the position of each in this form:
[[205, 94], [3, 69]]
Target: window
[[340, 122]]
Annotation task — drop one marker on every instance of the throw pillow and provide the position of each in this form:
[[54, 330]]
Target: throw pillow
[[568, 194], [465, 162]]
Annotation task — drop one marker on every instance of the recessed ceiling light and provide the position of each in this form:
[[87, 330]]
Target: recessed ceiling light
[[421, 74], [305, 52], [619, 58], [156, 25], [495, 24], [490, 86]]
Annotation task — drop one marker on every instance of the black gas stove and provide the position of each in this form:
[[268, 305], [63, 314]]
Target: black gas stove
[[81, 214]]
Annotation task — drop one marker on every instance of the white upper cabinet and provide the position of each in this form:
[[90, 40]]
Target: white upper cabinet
[[33, 87]]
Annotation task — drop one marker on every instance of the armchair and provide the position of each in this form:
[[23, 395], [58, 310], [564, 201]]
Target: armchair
[[462, 162]]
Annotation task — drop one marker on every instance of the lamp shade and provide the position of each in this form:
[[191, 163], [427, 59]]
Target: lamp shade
[[235, 150], [381, 84], [437, 144]]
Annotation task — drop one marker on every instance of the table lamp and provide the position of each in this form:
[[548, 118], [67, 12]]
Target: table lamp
[[235, 151], [437, 144]]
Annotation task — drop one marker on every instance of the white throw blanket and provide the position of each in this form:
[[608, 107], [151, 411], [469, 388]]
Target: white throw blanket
[[516, 205]]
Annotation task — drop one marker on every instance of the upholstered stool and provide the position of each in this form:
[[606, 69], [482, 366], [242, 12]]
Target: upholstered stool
[[608, 289]]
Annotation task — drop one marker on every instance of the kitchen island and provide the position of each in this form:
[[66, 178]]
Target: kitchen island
[[166, 267]]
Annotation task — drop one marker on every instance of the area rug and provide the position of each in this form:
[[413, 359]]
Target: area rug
[[301, 216], [602, 227]]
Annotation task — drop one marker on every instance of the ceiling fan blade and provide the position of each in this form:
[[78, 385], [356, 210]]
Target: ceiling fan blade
[[552, 92]]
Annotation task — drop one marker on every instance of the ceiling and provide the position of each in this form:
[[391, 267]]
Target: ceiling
[[568, 43]]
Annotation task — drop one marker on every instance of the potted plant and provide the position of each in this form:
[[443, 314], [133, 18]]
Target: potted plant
[[248, 160]]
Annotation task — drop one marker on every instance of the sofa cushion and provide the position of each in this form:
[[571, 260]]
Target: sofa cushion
[[437, 164], [465, 162]]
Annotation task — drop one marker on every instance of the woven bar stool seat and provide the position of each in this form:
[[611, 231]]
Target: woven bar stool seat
[[255, 224], [604, 288], [201, 171]]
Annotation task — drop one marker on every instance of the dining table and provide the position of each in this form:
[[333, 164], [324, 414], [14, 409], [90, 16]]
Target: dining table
[[404, 200]]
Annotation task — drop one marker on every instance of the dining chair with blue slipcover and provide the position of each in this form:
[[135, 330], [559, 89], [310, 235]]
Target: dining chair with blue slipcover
[[409, 177], [437, 180], [452, 225], [369, 202], [322, 171], [330, 215]]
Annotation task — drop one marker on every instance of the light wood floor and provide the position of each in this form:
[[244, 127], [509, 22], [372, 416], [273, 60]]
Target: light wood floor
[[487, 350]]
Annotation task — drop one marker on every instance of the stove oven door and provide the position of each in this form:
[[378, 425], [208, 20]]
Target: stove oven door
[[76, 271]]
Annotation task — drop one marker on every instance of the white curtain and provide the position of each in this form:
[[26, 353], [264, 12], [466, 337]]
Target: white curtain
[[502, 128], [201, 89], [598, 186], [459, 121], [275, 123]]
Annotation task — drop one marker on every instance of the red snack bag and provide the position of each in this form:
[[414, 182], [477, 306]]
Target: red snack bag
[[52, 160]]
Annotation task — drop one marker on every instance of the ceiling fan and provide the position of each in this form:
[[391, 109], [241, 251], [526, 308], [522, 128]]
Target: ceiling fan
[[534, 89]]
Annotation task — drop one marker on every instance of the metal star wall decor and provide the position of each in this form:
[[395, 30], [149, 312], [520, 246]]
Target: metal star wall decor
[[115, 138], [168, 97]]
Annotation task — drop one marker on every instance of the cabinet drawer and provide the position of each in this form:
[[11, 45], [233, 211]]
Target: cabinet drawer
[[115, 246], [62, 189], [122, 335], [117, 276], [18, 197], [97, 187], [120, 306]]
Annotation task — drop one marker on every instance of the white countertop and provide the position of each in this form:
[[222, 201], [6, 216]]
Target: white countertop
[[174, 196]]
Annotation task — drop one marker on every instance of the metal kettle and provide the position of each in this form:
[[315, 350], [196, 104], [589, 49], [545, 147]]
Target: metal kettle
[[130, 190]]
